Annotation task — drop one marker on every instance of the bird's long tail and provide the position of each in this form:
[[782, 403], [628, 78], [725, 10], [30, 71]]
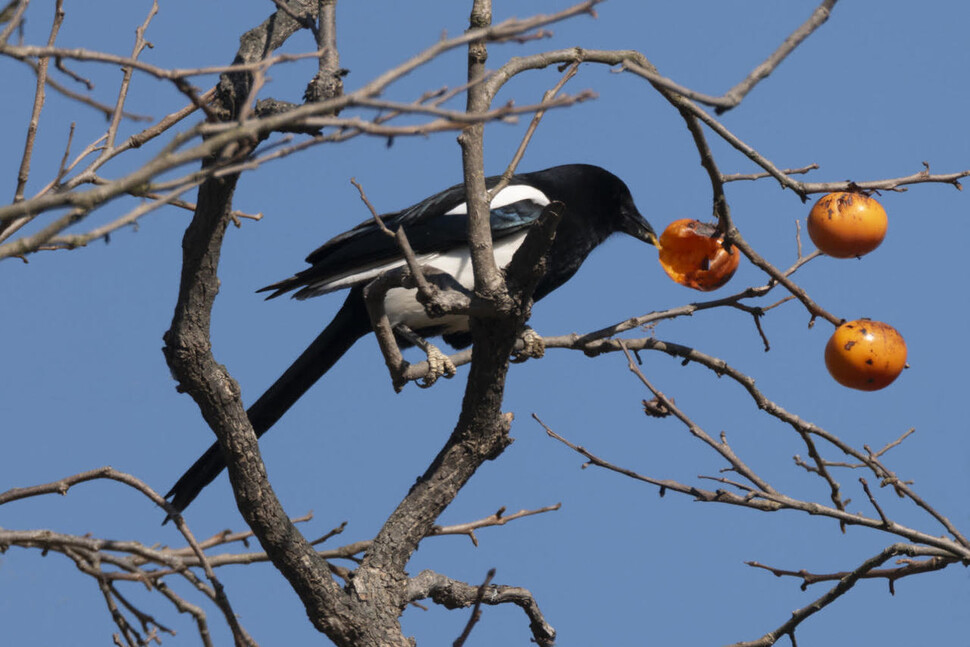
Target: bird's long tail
[[349, 324]]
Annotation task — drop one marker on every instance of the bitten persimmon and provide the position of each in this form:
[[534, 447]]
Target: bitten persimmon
[[693, 255], [846, 225], [866, 355]]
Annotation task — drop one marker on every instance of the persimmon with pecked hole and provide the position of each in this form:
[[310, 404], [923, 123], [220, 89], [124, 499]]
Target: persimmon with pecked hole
[[693, 255], [866, 355], [847, 225]]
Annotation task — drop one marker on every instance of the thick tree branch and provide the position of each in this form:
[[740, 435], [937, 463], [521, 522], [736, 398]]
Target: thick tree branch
[[453, 594]]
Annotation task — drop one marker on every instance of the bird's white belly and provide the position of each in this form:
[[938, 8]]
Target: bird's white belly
[[402, 306]]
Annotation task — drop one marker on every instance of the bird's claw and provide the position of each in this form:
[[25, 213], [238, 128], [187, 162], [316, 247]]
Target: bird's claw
[[533, 346], [439, 365]]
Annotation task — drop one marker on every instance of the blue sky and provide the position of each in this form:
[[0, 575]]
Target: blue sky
[[875, 92]]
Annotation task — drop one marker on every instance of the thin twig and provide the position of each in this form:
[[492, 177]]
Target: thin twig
[[39, 96], [722, 448], [738, 177], [845, 584], [476, 610], [140, 44], [533, 125], [875, 504]]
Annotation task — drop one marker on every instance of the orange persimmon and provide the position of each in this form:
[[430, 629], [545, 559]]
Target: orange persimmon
[[866, 355], [692, 255], [846, 225]]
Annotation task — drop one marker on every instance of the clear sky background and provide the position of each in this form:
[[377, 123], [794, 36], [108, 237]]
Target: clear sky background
[[876, 91]]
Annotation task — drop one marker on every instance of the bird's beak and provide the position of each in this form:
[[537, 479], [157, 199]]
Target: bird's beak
[[637, 226]]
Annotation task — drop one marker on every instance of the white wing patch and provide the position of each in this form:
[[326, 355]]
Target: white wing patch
[[455, 262], [508, 195]]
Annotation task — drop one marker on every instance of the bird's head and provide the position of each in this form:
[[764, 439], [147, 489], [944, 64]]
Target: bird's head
[[626, 217], [595, 197]]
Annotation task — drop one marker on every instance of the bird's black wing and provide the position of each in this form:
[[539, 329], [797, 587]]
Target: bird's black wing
[[434, 225]]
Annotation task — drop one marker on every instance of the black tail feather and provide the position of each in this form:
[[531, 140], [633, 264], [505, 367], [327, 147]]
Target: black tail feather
[[349, 324]]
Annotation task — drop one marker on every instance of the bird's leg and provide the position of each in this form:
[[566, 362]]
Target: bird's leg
[[374, 295], [438, 363], [533, 346]]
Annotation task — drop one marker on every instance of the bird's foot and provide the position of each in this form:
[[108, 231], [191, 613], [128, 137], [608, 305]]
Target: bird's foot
[[533, 346], [439, 365]]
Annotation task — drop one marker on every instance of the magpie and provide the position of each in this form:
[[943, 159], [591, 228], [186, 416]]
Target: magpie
[[596, 205]]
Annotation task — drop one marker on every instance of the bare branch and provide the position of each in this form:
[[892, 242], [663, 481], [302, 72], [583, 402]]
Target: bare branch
[[39, 96], [14, 19], [476, 610], [722, 448], [936, 562], [738, 177], [81, 98], [328, 82], [497, 519], [816, 20], [770, 501], [845, 584], [527, 137], [453, 594], [171, 157], [127, 71]]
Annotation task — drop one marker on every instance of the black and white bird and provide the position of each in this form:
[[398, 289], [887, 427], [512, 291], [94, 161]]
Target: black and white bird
[[596, 205]]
